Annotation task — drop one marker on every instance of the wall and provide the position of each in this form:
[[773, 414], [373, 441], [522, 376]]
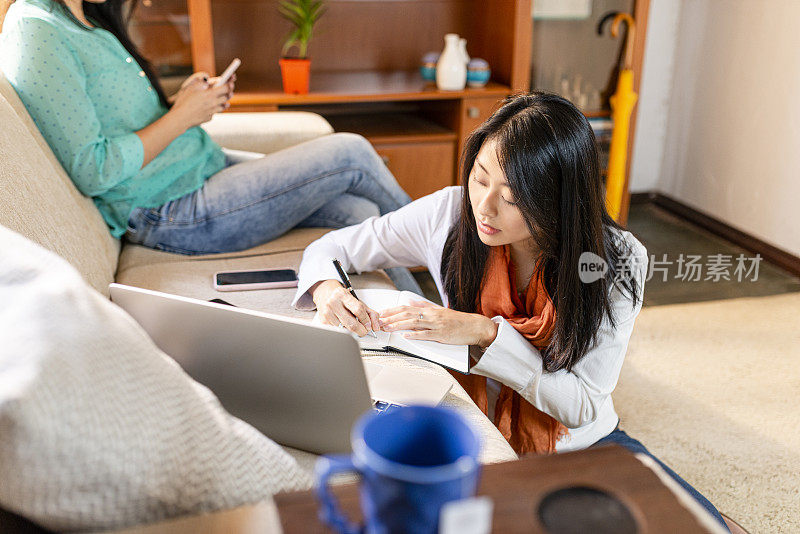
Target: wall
[[732, 143], [654, 95]]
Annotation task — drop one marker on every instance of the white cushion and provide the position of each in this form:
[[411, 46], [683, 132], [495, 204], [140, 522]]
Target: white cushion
[[266, 132], [99, 429]]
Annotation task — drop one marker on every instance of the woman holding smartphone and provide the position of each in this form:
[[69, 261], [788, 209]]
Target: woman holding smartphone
[[506, 251], [156, 177]]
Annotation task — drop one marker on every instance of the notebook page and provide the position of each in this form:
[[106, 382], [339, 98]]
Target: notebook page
[[378, 300], [452, 356]]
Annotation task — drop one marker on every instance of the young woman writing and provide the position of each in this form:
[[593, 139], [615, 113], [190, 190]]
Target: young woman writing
[[155, 176], [505, 250]]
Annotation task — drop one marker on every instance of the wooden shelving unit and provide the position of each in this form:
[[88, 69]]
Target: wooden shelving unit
[[365, 78], [354, 86], [391, 127]]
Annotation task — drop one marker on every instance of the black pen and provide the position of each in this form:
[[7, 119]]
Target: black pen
[[348, 286]]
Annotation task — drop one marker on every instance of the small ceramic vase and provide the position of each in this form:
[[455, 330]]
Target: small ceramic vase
[[451, 71], [428, 66], [478, 72]]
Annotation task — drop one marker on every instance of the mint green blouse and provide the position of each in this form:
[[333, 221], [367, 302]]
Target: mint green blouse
[[88, 96]]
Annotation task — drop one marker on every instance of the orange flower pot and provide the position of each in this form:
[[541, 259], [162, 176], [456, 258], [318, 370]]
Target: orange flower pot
[[296, 74]]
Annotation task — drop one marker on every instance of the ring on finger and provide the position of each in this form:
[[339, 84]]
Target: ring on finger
[[421, 317]]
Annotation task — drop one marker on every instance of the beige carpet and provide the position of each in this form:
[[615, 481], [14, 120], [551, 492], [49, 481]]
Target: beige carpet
[[713, 389]]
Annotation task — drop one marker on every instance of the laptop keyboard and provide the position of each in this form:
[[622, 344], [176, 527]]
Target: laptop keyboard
[[384, 407]]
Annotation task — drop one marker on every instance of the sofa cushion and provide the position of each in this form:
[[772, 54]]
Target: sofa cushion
[[38, 200], [294, 241], [191, 276], [266, 132]]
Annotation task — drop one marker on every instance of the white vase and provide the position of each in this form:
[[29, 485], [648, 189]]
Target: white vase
[[451, 71]]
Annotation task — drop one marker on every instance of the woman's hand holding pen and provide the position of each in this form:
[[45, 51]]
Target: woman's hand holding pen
[[337, 306], [436, 323]]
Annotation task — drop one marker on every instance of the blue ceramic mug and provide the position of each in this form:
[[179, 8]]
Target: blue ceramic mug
[[411, 461]]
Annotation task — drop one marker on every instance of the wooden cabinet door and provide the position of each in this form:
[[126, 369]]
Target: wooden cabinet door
[[420, 168], [474, 111]]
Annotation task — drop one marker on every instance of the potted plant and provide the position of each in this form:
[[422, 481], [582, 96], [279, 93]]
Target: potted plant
[[303, 14]]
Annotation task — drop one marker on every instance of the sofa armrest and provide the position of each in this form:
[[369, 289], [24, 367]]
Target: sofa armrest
[[266, 132]]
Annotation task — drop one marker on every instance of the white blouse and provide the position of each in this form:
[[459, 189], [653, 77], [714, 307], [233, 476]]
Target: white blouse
[[415, 235]]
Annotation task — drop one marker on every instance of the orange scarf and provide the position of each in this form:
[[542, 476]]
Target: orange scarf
[[527, 429]]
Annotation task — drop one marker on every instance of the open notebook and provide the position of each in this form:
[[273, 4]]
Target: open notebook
[[455, 357]]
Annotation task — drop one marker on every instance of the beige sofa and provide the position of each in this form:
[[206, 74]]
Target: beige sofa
[[38, 200]]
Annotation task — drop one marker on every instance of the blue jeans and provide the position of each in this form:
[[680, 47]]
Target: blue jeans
[[333, 181], [621, 438]]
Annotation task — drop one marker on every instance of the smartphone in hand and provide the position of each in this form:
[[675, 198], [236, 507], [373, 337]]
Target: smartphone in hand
[[226, 75]]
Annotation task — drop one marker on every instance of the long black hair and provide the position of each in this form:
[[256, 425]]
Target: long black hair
[[548, 153], [113, 16]]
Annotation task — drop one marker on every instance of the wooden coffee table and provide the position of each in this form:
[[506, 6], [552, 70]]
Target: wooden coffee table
[[613, 483]]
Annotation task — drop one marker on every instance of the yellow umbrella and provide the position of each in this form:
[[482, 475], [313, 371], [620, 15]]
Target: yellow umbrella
[[621, 108]]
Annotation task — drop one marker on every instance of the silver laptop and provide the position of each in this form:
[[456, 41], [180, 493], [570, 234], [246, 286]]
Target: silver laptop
[[302, 385]]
